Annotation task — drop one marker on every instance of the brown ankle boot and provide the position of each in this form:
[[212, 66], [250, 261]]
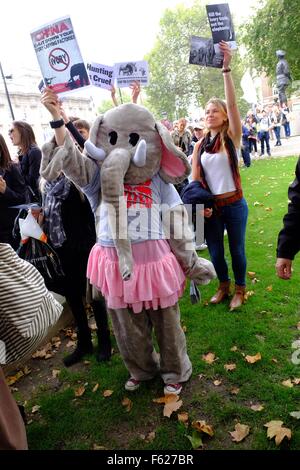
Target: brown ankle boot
[[239, 297], [222, 293]]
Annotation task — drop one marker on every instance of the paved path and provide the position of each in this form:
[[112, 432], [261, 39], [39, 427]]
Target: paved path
[[289, 147]]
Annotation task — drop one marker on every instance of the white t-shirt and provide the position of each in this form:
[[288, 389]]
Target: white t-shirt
[[218, 172], [146, 204]]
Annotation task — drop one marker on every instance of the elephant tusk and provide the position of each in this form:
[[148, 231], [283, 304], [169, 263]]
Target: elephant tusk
[[139, 158], [94, 152]]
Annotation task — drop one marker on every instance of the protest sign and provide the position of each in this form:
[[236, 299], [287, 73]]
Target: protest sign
[[221, 25], [100, 75], [128, 72], [59, 56], [202, 52]]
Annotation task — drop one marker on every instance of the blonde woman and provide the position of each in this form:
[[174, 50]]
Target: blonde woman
[[215, 164]]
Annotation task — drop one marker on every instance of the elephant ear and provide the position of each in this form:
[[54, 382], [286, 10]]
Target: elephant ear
[[174, 167]]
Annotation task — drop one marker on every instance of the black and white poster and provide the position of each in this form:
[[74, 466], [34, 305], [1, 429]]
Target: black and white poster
[[128, 72], [221, 25], [202, 52]]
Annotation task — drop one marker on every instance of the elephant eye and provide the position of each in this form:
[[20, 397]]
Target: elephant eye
[[133, 139], [113, 137]]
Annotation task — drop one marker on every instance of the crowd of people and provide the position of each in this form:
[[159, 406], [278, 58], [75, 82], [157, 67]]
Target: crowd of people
[[64, 203]]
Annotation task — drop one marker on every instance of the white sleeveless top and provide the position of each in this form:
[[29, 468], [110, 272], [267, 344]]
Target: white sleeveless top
[[218, 172]]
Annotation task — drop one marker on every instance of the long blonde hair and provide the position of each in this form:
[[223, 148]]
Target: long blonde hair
[[222, 106]]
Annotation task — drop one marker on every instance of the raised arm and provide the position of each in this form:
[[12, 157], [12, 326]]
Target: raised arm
[[135, 91], [235, 128], [113, 95], [51, 102]]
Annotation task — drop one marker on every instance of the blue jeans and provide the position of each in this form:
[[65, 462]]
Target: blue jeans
[[287, 129], [234, 218]]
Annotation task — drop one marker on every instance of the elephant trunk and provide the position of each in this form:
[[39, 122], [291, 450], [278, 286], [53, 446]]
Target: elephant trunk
[[113, 170]]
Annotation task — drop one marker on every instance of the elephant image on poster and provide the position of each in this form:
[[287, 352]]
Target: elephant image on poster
[[78, 72], [128, 69]]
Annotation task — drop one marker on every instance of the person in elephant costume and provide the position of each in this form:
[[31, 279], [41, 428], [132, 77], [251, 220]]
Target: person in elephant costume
[[144, 248]]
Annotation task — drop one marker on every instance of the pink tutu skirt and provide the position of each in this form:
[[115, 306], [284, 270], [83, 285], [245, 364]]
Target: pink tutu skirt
[[157, 280]]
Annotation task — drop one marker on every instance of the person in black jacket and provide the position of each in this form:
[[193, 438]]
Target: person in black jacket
[[289, 237], [12, 193], [29, 154], [70, 226]]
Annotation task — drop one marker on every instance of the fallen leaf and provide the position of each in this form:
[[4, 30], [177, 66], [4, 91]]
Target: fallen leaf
[[287, 383], [295, 414], [95, 388], [298, 325], [195, 439], [86, 363], [93, 326], [276, 430], [55, 373], [269, 288], [79, 391], [268, 209], [11, 379], [217, 383], [166, 398], [96, 447], [256, 203], [108, 393], [209, 357], [257, 407], [26, 370], [43, 353], [150, 437], [296, 381], [183, 417], [35, 408], [234, 348], [229, 367], [248, 294], [170, 407], [267, 194], [200, 376], [202, 426], [251, 274], [253, 359], [274, 360], [127, 403], [184, 328], [234, 391], [241, 431]]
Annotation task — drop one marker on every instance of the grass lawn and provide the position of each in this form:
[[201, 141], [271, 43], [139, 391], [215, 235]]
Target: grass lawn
[[267, 324]]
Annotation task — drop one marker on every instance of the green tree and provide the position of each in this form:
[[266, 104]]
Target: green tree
[[276, 25], [175, 85]]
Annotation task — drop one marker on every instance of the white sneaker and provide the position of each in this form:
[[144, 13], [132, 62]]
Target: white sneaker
[[172, 389], [201, 247], [132, 384]]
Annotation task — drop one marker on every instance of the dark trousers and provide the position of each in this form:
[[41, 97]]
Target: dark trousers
[[277, 134], [252, 145], [246, 153], [265, 138], [287, 129]]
